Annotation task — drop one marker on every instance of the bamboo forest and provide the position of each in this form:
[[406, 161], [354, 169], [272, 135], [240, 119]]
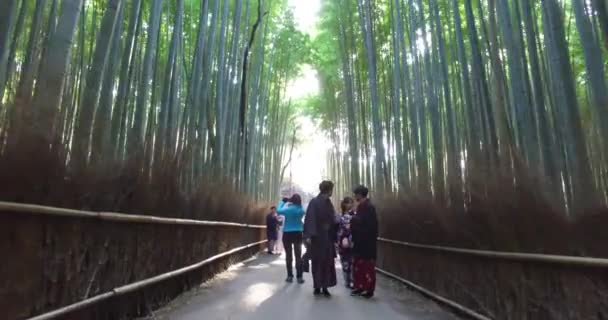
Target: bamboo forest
[[415, 95], [474, 123]]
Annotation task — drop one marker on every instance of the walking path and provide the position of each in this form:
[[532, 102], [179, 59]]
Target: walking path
[[255, 290]]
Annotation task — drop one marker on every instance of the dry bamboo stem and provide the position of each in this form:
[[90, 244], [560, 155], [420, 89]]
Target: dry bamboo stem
[[513, 256], [10, 207]]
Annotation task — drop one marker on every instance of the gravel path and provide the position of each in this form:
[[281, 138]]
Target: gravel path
[[255, 290]]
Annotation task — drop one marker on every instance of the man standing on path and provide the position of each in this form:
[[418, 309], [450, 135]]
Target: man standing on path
[[365, 234], [318, 223]]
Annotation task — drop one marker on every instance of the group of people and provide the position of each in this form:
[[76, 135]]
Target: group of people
[[352, 234]]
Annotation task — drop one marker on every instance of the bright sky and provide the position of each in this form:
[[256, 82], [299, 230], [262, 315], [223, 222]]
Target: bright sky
[[306, 13], [309, 158], [305, 85]]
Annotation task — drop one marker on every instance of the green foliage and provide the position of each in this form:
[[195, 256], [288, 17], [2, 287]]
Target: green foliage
[[173, 99], [479, 106]]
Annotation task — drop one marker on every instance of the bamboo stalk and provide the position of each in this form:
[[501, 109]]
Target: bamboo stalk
[[10, 207], [513, 256]]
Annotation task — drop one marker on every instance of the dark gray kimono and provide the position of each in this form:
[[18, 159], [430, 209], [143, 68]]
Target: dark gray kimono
[[318, 224]]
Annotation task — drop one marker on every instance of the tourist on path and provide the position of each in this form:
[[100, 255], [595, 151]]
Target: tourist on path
[[365, 233], [319, 223], [279, 243], [292, 212], [272, 224], [345, 241]]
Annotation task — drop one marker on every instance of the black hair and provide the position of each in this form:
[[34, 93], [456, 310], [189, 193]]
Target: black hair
[[296, 199], [361, 190], [326, 186]]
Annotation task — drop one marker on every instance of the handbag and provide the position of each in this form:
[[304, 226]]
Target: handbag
[[345, 243]]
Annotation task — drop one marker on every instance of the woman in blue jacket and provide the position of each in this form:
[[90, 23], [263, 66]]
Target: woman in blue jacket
[[293, 226]]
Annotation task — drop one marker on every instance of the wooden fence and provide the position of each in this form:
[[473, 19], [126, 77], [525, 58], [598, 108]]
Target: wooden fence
[[501, 285], [73, 264]]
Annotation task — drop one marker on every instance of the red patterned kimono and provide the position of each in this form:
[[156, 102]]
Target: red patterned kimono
[[365, 233], [364, 274]]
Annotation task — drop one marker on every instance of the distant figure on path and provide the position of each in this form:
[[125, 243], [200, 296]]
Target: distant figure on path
[[365, 233], [272, 224], [292, 212], [345, 241], [279, 243], [318, 224]]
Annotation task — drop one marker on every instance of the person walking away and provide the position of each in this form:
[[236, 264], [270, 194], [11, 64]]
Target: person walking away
[[318, 224], [345, 241], [292, 212], [271, 229], [365, 234]]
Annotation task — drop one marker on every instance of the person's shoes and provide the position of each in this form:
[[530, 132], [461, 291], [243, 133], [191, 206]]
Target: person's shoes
[[326, 293], [300, 280], [316, 292], [368, 294], [289, 279], [356, 292]]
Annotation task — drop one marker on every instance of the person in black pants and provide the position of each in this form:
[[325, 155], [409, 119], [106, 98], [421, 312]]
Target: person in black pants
[[293, 212], [293, 247]]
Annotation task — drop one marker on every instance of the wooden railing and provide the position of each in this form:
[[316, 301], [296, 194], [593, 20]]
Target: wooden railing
[[112, 216], [482, 284], [455, 277], [63, 263], [139, 284], [512, 256]]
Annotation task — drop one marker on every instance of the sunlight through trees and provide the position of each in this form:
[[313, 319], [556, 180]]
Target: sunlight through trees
[[160, 81]]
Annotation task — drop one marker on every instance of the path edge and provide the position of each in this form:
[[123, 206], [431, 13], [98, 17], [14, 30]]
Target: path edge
[[453, 306]]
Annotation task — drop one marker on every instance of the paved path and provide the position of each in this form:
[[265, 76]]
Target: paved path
[[255, 290]]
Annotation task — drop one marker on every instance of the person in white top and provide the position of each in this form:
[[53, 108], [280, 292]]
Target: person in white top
[[278, 245]]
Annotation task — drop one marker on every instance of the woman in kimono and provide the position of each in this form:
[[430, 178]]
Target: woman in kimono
[[345, 241], [365, 234], [318, 226]]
